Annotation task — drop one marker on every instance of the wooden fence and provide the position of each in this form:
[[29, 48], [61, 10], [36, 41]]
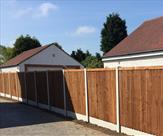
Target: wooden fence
[[129, 100], [141, 100]]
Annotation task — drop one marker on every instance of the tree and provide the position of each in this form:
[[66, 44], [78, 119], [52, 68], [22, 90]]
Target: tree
[[1, 50], [5, 54], [1, 55], [113, 31], [87, 59], [92, 62], [8, 52], [24, 43], [98, 56], [58, 45], [79, 55]]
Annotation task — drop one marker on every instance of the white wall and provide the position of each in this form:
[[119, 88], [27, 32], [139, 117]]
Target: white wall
[[10, 69], [46, 57], [135, 62]]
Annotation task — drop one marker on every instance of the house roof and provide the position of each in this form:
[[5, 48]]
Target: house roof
[[23, 56], [146, 38]]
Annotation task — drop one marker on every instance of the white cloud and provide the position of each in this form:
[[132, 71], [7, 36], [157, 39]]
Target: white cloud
[[45, 8], [83, 30], [41, 10], [22, 12]]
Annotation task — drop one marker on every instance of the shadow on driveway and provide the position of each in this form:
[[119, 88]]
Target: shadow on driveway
[[19, 119], [14, 114]]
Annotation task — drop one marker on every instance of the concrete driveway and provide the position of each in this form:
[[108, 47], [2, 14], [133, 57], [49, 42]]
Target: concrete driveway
[[18, 119]]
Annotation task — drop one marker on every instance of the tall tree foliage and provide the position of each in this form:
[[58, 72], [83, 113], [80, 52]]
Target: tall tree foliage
[[58, 45], [87, 59], [5, 54], [24, 43], [114, 30], [92, 62], [79, 55], [1, 54]]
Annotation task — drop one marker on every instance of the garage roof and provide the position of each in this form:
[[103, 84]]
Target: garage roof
[[24, 56]]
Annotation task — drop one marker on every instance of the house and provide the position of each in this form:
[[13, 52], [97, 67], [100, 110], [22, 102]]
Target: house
[[48, 57], [143, 47]]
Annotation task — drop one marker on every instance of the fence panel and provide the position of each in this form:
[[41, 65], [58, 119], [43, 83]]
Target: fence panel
[[56, 89], [75, 91], [30, 83], [141, 100], [12, 82], [102, 94], [2, 83], [6, 85], [20, 77], [41, 85]]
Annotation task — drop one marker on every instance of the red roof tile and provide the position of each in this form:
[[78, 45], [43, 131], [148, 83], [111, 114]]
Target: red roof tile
[[146, 38], [23, 56]]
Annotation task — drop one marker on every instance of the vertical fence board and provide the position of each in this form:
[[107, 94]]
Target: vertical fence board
[[155, 100], [101, 92], [1, 83], [75, 91], [12, 82], [6, 85], [21, 85], [161, 106], [41, 85], [30, 83], [55, 79]]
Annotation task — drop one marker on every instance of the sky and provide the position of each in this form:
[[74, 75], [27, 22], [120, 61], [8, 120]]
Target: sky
[[72, 23]]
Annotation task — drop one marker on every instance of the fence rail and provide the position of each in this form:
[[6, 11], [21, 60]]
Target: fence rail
[[129, 100]]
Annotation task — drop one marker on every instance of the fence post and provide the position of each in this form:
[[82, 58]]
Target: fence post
[[36, 99], [86, 94], [25, 87], [64, 93], [47, 82], [117, 101]]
